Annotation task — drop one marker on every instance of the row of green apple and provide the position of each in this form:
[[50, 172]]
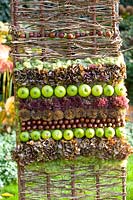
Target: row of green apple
[[83, 90], [36, 63], [69, 134]]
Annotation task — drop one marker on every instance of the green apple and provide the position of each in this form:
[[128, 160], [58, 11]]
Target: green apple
[[57, 134], [47, 91], [35, 135], [72, 90], [23, 92], [24, 136], [97, 90], [35, 92], [89, 133], [108, 90], [99, 132], [60, 91], [46, 134], [109, 132], [79, 132], [84, 90], [68, 134], [119, 132], [120, 89]]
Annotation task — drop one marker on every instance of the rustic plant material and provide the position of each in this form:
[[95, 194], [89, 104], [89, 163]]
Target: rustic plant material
[[72, 75], [44, 150], [62, 124], [65, 103]]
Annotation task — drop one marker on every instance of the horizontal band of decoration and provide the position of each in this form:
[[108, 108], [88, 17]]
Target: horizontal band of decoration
[[69, 114], [45, 150], [69, 103], [83, 90], [69, 74], [82, 122], [69, 134], [60, 34]]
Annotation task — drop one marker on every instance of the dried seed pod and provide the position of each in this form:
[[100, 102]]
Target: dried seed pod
[[40, 127], [72, 121], [87, 120], [58, 126], [24, 115], [74, 126], [66, 121], [80, 112], [69, 114], [92, 120], [63, 126], [76, 121], [58, 114], [48, 115]]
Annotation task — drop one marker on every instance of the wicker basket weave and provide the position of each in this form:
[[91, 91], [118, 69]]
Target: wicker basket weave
[[33, 22], [72, 180]]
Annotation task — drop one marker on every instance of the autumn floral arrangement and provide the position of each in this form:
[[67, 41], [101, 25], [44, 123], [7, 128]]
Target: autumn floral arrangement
[[69, 83]]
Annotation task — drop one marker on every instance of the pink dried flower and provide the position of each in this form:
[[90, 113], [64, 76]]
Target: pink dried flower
[[120, 101], [101, 102]]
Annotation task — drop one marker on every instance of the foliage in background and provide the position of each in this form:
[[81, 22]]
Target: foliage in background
[[7, 114], [4, 10], [8, 170], [6, 65], [126, 27]]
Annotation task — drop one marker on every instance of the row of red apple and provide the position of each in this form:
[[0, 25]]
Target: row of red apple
[[53, 34], [69, 134], [84, 90]]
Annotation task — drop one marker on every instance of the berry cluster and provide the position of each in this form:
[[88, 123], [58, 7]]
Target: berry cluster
[[69, 134]]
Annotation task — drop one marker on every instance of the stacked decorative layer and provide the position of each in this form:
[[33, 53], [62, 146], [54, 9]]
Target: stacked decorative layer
[[71, 108]]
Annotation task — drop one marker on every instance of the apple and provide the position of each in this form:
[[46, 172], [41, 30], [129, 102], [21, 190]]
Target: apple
[[120, 90], [108, 90], [68, 134], [24, 136], [60, 91], [89, 132], [79, 132], [35, 135], [72, 90], [23, 92], [84, 90], [109, 132], [35, 92], [46, 134], [57, 134], [97, 90], [47, 91], [99, 132], [119, 132]]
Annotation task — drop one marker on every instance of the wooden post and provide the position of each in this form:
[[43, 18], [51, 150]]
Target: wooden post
[[48, 187], [97, 186], [73, 189], [123, 183], [21, 183]]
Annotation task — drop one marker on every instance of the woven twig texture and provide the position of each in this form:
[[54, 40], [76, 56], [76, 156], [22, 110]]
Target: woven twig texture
[[66, 29]]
